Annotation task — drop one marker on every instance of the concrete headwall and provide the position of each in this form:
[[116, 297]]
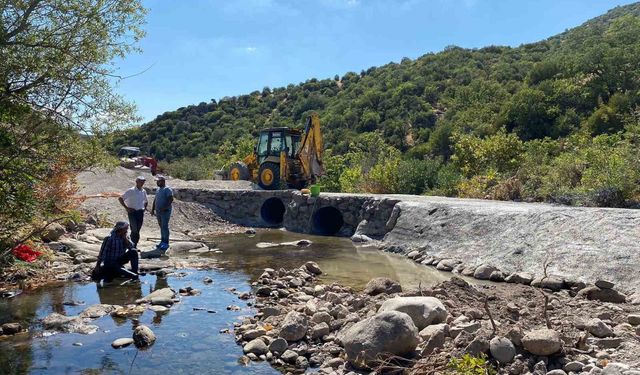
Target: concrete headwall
[[581, 244]]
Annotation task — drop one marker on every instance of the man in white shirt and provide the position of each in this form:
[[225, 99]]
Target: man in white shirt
[[135, 202]]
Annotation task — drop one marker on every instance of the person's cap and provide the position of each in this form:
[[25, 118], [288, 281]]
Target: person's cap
[[160, 177], [141, 178]]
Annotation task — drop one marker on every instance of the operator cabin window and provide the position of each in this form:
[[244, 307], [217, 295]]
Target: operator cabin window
[[263, 145], [276, 143]]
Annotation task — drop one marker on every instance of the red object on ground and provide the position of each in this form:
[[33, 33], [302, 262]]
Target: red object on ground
[[151, 163], [25, 253]]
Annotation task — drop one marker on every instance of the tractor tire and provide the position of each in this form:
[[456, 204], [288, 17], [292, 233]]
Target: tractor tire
[[269, 176], [239, 171]]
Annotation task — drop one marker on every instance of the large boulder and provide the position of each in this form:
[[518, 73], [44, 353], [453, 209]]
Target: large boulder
[[380, 285], [502, 349], [388, 332], [294, 327], [53, 232], [542, 342], [484, 271], [422, 310]]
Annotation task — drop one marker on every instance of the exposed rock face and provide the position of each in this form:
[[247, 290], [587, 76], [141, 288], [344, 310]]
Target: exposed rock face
[[294, 327], [381, 285], [390, 332], [143, 337], [542, 342], [422, 310]]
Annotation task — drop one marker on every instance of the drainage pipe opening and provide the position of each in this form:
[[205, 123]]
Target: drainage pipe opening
[[272, 211], [327, 221]]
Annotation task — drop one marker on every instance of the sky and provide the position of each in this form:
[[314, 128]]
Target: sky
[[198, 50]]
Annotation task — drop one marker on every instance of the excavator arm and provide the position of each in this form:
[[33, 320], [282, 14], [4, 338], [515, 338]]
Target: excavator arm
[[310, 153]]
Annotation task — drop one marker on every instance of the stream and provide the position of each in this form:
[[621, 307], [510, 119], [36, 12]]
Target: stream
[[188, 341]]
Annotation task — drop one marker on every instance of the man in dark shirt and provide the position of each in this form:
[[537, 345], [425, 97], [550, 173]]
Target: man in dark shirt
[[116, 251]]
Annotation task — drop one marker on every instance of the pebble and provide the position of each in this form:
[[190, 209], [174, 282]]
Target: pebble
[[122, 342]]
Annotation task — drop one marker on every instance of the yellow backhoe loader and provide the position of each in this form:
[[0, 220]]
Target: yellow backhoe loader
[[283, 158]]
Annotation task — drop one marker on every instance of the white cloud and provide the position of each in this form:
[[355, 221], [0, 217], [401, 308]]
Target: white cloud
[[250, 50]]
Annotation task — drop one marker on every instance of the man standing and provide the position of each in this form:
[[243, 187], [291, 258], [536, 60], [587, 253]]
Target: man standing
[[135, 202], [115, 252], [162, 206]]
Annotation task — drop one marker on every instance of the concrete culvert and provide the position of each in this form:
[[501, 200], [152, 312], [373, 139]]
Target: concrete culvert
[[272, 211], [327, 221]]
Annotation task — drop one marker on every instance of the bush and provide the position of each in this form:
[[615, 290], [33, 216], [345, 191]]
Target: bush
[[469, 365], [418, 176]]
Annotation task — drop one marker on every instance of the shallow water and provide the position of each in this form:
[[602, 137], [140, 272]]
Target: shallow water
[[188, 341]]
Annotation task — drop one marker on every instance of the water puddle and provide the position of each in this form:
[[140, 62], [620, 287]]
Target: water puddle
[[189, 340]]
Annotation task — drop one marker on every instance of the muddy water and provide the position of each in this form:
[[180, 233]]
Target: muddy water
[[188, 341]]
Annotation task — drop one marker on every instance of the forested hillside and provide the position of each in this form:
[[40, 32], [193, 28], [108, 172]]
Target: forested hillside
[[552, 120]]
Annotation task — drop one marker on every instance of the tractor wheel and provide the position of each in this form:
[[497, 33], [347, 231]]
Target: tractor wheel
[[239, 171], [269, 176]]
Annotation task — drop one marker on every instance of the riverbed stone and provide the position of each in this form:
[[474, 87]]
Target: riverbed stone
[[553, 283], [604, 295], [615, 368], [386, 332], [434, 336], [97, 311], [320, 330], [164, 293], [255, 346], [10, 328], [53, 232], [254, 333], [542, 342], [122, 342], [294, 327], [604, 284], [484, 271], [519, 278], [289, 356], [278, 345], [634, 319], [321, 317], [422, 310], [382, 285], [68, 324], [143, 337], [313, 268], [598, 328], [447, 264], [573, 366], [502, 349]]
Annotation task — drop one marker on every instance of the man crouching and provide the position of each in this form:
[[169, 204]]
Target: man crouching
[[116, 251]]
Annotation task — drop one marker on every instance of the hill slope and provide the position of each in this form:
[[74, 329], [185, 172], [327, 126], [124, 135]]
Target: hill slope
[[490, 107]]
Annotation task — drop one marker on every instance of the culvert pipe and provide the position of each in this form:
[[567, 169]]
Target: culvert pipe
[[272, 211], [327, 221]]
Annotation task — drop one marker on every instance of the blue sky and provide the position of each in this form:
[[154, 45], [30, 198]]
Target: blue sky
[[198, 50]]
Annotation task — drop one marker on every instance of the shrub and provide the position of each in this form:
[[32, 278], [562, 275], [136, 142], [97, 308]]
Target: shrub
[[470, 365]]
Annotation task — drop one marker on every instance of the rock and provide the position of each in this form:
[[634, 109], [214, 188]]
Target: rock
[[163, 301], [413, 254], [614, 368], [484, 271], [127, 311], [333, 363], [97, 311], [207, 280], [542, 342], [68, 324], [11, 328], [255, 346], [434, 337], [263, 291], [278, 345], [381, 285], [422, 310], [603, 284], [556, 372], [573, 366], [470, 327], [339, 311], [598, 328], [320, 330], [390, 332], [519, 278], [254, 333], [294, 327], [496, 276], [158, 308], [165, 293], [302, 362], [321, 317], [143, 337], [478, 346], [122, 342], [447, 264], [608, 342], [550, 282], [270, 311], [634, 319], [53, 232], [289, 356], [604, 295], [502, 349], [468, 271], [313, 268]]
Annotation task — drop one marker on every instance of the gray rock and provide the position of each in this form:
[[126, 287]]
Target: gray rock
[[294, 327], [263, 291], [380, 285], [542, 342], [483, 272], [321, 317], [556, 372], [413, 254], [598, 328], [255, 346], [339, 311], [478, 346], [313, 268], [469, 327], [615, 368], [122, 342], [573, 366], [270, 311], [634, 319], [320, 330], [97, 311], [422, 310], [604, 295], [502, 349], [143, 336], [333, 363], [254, 333], [519, 278], [433, 330], [603, 284], [447, 264], [278, 345], [434, 337], [68, 324], [390, 332], [53, 232], [160, 293], [302, 362], [550, 282], [608, 342], [289, 356]]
